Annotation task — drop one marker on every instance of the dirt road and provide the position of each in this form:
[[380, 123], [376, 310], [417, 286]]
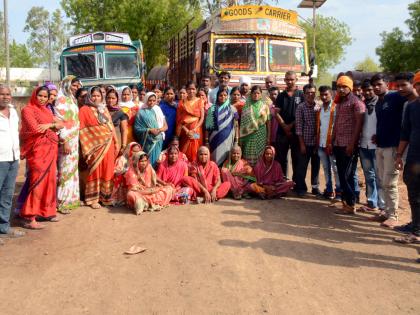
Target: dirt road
[[236, 257]]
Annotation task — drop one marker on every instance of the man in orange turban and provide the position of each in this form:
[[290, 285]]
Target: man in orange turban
[[345, 138]]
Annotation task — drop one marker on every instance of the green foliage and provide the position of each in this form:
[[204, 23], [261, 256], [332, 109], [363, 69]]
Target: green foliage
[[324, 78], [367, 65], [332, 38], [153, 22], [39, 24], [399, 51], [20, 56]]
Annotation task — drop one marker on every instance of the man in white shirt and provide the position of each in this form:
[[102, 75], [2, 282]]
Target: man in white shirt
[[224, 79], [367, 150], [9, 161], [325, 123]]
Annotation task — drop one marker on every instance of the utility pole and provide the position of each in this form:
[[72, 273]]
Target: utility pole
[[6, 42], [50, 48]]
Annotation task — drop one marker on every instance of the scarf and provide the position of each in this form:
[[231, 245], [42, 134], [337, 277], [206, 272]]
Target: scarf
[[102, 118]]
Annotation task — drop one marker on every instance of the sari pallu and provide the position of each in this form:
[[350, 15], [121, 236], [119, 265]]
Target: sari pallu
[[220, 124], [207, 176], [143, 190], [188, 114], [174, 174], [253, 131], [119, 191], [271, 175], [40, 151], [97, 144], [169, 110], [240, 176], [129, 108], [68, 195], [152, 145]]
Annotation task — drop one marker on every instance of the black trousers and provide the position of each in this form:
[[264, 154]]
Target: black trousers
[[283, 144], [302, 168], [411, 178], [346, 169]]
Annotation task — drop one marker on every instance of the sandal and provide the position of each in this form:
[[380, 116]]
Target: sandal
[[96, 206], [54, 219], [64, 211], [408, 239], [33, 225]]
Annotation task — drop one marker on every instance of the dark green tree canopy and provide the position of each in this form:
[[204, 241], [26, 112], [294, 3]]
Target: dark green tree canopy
[[398, 51], [153, 22], [332, 38], [39, 24]]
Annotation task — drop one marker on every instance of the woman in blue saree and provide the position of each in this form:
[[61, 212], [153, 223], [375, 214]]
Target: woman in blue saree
[[169, 106], [149, 127], [221, 127]]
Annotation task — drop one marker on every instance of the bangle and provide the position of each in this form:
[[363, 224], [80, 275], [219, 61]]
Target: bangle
[[53, 125]]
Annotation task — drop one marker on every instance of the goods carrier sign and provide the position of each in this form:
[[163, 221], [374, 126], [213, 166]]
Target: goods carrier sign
[[258, 12]]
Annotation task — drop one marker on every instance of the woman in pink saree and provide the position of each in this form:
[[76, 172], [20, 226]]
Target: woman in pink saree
[[145, 190], [204, 178], [270, 176], [239, 174], [172, 171]]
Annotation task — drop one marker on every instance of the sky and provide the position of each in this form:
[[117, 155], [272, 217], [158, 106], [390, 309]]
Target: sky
[[366, 18]]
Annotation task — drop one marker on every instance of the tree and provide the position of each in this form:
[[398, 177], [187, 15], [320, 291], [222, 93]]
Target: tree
[[367, 65], [40, 25], [153, 22], [398, 51], [20, 56], [332, 37]]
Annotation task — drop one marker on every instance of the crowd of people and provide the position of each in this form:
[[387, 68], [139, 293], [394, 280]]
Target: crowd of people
[[103, 146]]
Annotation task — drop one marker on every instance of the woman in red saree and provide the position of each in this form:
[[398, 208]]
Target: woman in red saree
[[239, 174], [172, 171], [39, 146], [145, 190], [189, 121], [99, 149], [270, 176], [204, 178], [119, 192]]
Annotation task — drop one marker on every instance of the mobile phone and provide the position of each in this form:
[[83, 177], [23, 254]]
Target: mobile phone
[[196, 136]]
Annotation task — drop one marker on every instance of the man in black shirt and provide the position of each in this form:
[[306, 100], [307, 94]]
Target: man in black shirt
[[410, 134], [286, 105]]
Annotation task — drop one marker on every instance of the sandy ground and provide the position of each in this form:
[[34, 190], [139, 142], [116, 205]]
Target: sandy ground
[[288, 256]]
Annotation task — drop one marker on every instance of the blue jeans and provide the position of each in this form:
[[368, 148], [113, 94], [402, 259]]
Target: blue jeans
[[329, 166], [8, 174], [373, 189]]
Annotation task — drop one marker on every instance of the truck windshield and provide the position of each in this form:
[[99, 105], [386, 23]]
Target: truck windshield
[[235, 54], [121, 65], [81, 65], [285, 55]]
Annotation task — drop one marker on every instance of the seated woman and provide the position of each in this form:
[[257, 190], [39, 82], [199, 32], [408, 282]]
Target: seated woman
[[204, 178], [172, 170], [164, 154], [270, 176], [239, 174], [145, 190], [119, 192]]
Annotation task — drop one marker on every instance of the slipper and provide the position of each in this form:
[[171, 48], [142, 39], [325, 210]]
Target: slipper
[[408, 239], [54, 219], [33, 225], [95, 206], [366, 209], [135, 249], [64, 211]]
